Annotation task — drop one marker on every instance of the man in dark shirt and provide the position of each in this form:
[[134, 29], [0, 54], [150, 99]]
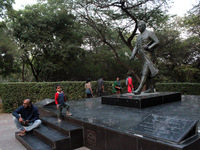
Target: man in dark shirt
[[100, 86], [26, 115]]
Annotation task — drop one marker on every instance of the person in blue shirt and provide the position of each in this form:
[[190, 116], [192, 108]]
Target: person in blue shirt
[[26, 117]]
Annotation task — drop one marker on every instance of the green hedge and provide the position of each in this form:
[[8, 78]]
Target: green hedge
[[13, 94], [184, 88]]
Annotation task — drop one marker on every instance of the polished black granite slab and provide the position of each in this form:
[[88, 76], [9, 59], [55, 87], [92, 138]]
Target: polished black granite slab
[[52, 137], [63, 124], [74, 131], [50, 133], [141, 101], [110, 124], [122, 118], [32, 142], [165, 128], [45, 102]]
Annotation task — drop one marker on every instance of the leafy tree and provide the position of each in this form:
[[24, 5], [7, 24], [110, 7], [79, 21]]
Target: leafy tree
[[5, 5], [192, 20], [177, 56], [48, 36], [8, 65], [115, 21]]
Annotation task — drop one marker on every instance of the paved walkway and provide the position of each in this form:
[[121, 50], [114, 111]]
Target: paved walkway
[[7, 136], [7, 130]]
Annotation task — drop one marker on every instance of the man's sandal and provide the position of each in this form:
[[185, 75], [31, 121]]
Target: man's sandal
[[22, 133], [68, 114]]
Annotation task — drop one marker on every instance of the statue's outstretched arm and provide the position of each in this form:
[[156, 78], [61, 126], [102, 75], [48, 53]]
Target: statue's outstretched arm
[[134, 53]]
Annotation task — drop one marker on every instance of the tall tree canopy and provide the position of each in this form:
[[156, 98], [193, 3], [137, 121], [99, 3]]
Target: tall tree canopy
[[5, 5], [48, 36], [192, 20], [76, 39], [115, 21], [8, 65]]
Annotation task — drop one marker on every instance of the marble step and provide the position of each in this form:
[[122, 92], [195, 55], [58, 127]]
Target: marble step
[[52, 137], [31, 142], [74, 131]]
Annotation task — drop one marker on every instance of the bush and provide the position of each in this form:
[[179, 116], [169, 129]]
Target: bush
[[13, 94], [184, 88]]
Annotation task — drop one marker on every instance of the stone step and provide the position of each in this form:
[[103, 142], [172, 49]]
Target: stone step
[[52, 137], [74, 131], [31, 142]]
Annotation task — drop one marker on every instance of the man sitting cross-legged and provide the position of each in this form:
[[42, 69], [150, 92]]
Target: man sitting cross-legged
[[26, 117]]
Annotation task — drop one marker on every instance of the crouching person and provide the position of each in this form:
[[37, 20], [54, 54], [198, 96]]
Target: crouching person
[[26, 117]]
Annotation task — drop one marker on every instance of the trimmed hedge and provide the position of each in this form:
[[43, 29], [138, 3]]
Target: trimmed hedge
[[184, 88], [13, 94]]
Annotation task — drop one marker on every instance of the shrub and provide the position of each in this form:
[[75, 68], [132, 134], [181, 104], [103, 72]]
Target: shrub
[[184, 88], [13, 94]]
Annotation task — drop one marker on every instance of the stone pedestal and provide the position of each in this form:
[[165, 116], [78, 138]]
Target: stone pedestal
[[141, 101]]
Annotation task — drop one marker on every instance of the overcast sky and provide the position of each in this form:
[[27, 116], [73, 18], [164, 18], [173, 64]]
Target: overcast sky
[[180, 7]]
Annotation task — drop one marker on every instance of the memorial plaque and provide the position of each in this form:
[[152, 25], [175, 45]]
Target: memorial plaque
[[167, 128]]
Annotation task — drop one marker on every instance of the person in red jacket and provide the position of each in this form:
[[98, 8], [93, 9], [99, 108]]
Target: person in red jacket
[[60, 101], [129, 84]]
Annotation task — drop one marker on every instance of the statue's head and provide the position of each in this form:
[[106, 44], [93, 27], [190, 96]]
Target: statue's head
[[141, 26]]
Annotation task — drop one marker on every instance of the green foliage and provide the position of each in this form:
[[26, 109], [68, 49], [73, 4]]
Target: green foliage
[[13, 94], [54, 45], [192, 21], [8, 64], [184, 88], [49, 37], [112, 25], [177, 58], [5, 5]]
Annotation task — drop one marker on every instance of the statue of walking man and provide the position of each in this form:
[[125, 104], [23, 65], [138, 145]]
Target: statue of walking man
[[146, 43]]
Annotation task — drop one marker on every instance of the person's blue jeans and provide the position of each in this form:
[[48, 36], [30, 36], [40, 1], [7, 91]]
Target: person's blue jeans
[[29, 126]]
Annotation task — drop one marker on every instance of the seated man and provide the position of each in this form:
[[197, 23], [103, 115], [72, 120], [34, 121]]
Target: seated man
[[29, 117]]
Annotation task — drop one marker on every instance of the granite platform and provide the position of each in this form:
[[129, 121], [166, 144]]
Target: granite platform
[[108, 127], [142, 100]]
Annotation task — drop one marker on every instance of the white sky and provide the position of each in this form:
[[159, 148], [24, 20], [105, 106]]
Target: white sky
[[179, 7], [19, 4]]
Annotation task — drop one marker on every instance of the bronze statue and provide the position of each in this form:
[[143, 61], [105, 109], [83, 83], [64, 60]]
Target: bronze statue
[[146, 43]]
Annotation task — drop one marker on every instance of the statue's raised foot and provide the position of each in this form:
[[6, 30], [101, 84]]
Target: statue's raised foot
[[136, 92], [149, 91]]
